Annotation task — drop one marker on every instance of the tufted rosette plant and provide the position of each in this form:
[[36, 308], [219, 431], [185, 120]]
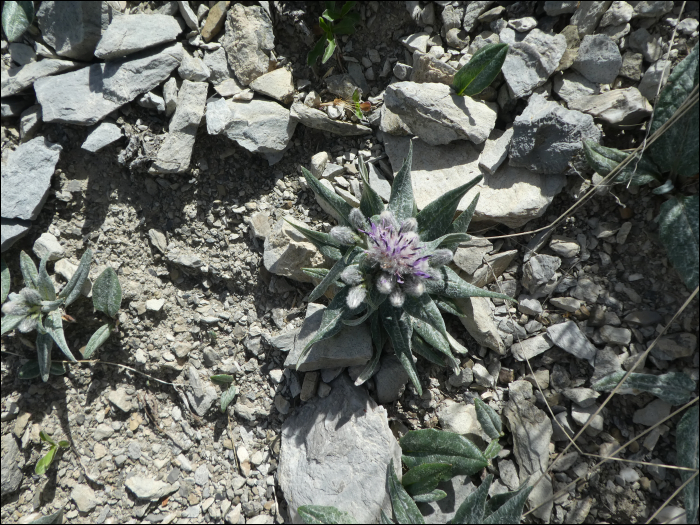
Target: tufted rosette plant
[[391, 270]]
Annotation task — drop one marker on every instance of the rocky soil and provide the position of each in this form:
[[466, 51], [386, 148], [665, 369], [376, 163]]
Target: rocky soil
[[168, 138]]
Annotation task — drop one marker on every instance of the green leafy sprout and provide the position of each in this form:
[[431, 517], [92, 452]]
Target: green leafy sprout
[[390, 270], [333, 22], [480, 71], [45, 462], [230, 392], [38, 307], [670, 162], [434, 456]]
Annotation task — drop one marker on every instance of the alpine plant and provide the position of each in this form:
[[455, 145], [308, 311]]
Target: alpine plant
[[391, 270]]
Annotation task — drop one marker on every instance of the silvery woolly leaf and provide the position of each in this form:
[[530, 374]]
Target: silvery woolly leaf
[[6, 281], [435, 219], [107, 292], [436, 446], [492, 450], [405, 509], [399, 328], [489, 420], [56, 517], [687, 444], [228, 396], [676, 150], [54, 327], [434, 495], [97, 340], [384, 519], [10, 322], [603, 160], [508, 507], [679, 233], [320, 514], [28, 269], [44, 284], [371, 203], [401, 201], [425, 478], [341, 208], [423, 349], [71, 291], [673, 387], [473, 508], [44, 344], [16, 18], [451, 285]]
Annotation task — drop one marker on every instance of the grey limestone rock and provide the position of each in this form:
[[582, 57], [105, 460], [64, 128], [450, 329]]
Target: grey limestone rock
[[547, 137], [12, 463], [480, 324], [335, 451], [219, 70], [656, 75], [175, 152], [72, 28], [126, 78], [248, 42], [148, 488], [287, 251], [132, 33], [12, 230], [390, 379], [572, 85], [103, 135], [47, 245], [276, 84], [260, 126], [201, 398], [342, 85], [569, 337], [588, 15], [529, 348], [351, 346], [598, 59], [26, 178], [317, 119], [17, 79], [76, 97], [437, 115], [495, 150], [193, 68], [531, 62]]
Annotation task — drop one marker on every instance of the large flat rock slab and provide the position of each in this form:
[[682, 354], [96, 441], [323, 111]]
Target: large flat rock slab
[[335, 451], [510, 196]]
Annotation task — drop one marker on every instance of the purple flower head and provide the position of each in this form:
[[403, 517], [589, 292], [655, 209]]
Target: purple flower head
[[397, 250]]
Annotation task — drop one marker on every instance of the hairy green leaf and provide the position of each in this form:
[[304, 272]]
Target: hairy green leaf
[[316, 273], [334, 273], [449, 306], [325, 244], [428, 322], [425, 478], [428, 497], [405, 509], [331, 322], [107, 292], [44, 344], [451, 285], [423, 349], [492, 449], [508, 506], [6, 280], [71, 291], [473, 507], [676, 150], [222, 379], [28, 269], [44, 284], [16, 19], [666, 187], [678, 232], [330, 48], [54, 327], [479, 72], [604, 160], [462, 222], [10, 322], [97, 340], [674, 387], [384, 519], [342, 209], [228, 396], [489, 420], [687, 445], [371, 203], [316, 52], [56, 517], [378, 343], [446, 241], [45, 462], [401, 202], [435, 446], [320, 514], [400, 331], [435, 219]]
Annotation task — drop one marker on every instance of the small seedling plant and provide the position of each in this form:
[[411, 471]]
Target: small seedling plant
[[45, 462], [334, 21], [355, 106], [670, 163], [391, 270], [38, 307], [433, 456], [229, 390]]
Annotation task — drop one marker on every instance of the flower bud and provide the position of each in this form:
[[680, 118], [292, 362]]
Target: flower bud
[[409, 225], [343, 235], [396, 298], [414, 287], [386, 283], [31, 296], [440, 258], [27, 324], [351, 275], [356, 296], [358, 221]]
